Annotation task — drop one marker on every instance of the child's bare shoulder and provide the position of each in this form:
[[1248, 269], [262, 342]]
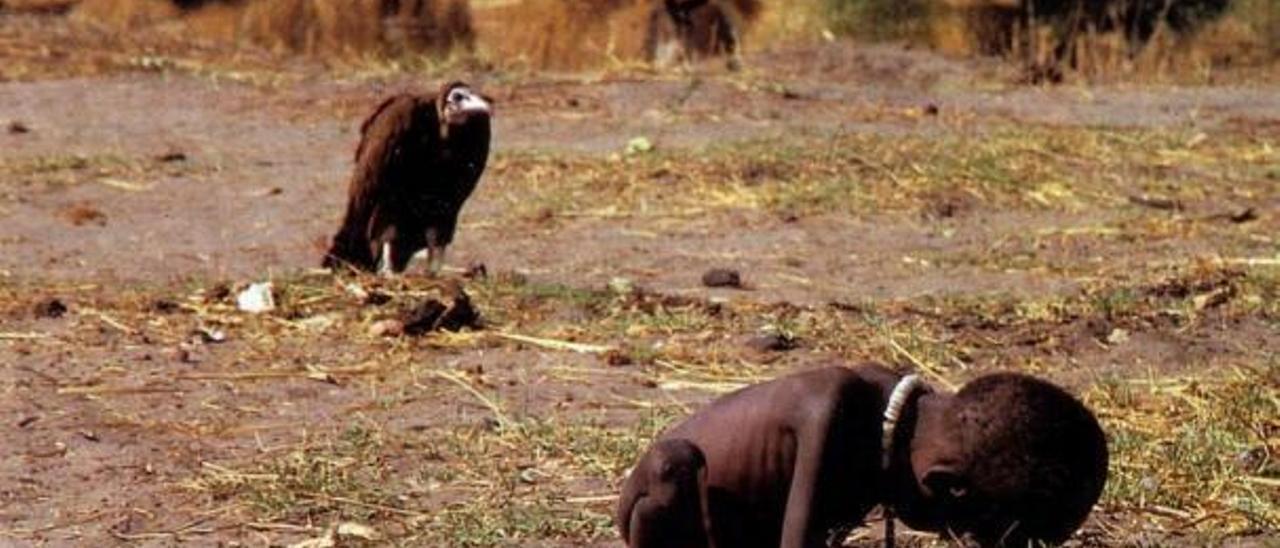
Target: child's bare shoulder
[[815, 390]]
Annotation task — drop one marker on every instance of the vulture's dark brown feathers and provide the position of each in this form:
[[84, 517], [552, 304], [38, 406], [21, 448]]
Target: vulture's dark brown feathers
[[418, 160]]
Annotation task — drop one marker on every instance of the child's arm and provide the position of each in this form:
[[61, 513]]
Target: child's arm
[[799, 528]]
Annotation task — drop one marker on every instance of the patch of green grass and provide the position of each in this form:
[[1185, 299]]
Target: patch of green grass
[[1195, 452], [322, 479]]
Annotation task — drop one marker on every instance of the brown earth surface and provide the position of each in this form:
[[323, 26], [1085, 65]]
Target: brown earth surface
[[134, 192]]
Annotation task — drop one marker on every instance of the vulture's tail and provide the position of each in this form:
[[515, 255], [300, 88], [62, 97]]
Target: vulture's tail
[[350, 249]]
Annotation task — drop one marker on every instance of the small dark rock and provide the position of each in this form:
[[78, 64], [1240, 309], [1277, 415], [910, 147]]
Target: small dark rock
[[722, 277], [182, 354], [172, 156], [930, 110], [772, 342], [476, 270], [82, 214], [376, 298], [616, 358], [943, 209], [1251, 460], [164, 306], [18, 128], [218, 293], [50, 308], [1098, 328], [1244, 215], [28, 421]]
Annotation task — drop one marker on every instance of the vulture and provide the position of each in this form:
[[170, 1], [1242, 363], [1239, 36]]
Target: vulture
[[418, 160]]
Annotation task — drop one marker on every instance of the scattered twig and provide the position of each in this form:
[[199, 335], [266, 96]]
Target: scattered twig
[[554, 344], [105, 389], [501, 417], [929, 370], [13, 336], [1156, 202], [107, 319], [321, 497]]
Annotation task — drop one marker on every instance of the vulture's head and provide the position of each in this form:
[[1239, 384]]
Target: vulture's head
[[459, 104]]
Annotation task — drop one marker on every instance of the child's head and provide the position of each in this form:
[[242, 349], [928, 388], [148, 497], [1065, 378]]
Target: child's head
[[1008, 460]]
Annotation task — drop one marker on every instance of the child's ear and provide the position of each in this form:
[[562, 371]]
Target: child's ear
[[944, 481]]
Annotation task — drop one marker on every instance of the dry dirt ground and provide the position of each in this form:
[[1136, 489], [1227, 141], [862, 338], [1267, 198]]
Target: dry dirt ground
[[881, 203]]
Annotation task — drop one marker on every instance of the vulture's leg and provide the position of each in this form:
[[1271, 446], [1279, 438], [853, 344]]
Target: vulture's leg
[[435, 259], [385, 268]]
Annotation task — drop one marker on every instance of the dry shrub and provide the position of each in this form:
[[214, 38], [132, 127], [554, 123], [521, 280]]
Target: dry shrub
[[217, 22], [783, 21], [969, 28], [314, 26], [1221, 44], [358, 26], [37, 6], [563, 34], [341, 27], [123, 14], [1246, 36], [575, 34]]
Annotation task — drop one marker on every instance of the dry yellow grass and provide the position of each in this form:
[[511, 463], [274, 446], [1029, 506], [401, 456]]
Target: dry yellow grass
[[318, 27], [551, 34], [562, 35], [118, 14]]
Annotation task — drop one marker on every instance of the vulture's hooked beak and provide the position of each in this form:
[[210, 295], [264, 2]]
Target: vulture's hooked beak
[[460, 104], [472, 103]]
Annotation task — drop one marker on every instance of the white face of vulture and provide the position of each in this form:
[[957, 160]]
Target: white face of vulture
[[460, 104]]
